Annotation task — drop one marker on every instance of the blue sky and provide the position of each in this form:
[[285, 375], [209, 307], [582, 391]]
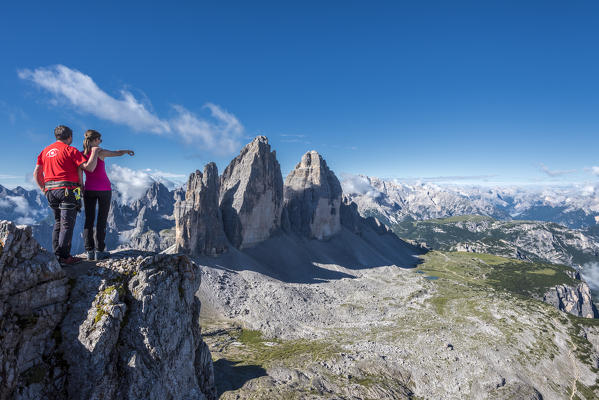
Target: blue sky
[[488, 92]]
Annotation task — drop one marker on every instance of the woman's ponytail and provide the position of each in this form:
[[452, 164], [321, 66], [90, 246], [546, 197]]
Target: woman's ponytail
[[89, 137]]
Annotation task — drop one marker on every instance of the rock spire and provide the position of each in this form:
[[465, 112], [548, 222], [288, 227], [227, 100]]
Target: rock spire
[[251, 195], [198, 222], [312, 196]]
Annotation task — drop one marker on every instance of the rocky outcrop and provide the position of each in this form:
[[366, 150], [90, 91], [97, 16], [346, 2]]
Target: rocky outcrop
[[33, 294], [198, 222], [132, 332], [312, 196], [575, 300], [251, 195], [128, 328]]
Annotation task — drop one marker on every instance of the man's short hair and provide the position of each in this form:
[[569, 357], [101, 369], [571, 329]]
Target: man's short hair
[[62, 132]]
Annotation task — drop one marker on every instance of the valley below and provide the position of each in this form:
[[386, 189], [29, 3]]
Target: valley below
[[391, 332]]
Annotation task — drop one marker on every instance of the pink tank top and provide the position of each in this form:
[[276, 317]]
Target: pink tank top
[[97, 180]]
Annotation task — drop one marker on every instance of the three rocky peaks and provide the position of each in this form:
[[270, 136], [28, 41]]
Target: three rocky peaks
[[249, 203]]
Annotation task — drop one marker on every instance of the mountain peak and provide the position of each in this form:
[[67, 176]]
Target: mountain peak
[[312, 198], [251, 194]]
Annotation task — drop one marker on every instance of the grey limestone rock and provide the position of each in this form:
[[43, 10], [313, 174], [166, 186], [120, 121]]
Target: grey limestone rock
[[199, 227], [312, 196], [251, 195], [132, 332], [33, 293], [124, 328], [575, 300]]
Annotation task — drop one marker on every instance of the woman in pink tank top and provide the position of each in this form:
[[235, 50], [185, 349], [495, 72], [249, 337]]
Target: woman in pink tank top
[[97, 190]]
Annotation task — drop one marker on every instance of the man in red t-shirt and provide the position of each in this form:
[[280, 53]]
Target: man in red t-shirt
[[57, 175]]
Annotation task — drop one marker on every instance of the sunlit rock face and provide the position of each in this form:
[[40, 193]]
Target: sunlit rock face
[[251, 195], [575, 300], [132, 331], [312, 195], [198, 222]]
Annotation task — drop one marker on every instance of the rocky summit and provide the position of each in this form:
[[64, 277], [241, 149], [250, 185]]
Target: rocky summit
[[312, 195], [125, 328], [251, 195]]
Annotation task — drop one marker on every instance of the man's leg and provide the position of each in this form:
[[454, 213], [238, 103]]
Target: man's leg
[[53, 203], [68, 214], [56, 231], [89, 200], [103, 209]]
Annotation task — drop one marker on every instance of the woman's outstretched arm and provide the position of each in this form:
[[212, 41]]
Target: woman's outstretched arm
[[110, 153]]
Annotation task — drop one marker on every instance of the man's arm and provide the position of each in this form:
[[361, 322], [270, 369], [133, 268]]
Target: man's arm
[[80, 172], [38, 176], [90, 164], [109, 153]]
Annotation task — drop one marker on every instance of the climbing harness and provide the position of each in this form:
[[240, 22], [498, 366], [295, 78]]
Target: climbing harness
[[52, 185]]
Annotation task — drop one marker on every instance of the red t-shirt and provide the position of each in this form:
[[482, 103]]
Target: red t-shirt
[[60, 162]]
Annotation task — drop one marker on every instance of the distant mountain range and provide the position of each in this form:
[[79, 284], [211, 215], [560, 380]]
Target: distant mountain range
[[573, 207], [553, 224]]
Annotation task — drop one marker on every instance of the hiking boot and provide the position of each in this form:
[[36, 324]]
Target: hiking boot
[[91, 255], [101, 255], [70, 260]]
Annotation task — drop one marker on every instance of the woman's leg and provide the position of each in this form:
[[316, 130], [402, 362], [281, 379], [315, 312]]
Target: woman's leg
[[103, 209], [89, 200]]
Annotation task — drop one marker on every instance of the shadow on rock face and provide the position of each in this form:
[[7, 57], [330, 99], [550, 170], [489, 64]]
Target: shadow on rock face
[[231, 376], [293, 259]]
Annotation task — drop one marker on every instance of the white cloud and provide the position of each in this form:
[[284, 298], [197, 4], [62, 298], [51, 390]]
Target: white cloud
[[554, 173], [168, 179], [83, 93], [590, 273], [595, 170], [25, 221], [588, 190], [356, 184], [20, 207], [219, 133], [130, 184], [17, 203]]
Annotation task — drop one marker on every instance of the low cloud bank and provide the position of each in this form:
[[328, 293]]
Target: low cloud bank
[[130, 184], [168, 179], [590, 273], [25, 215], [220, 132], [555, 173], [357, 184]]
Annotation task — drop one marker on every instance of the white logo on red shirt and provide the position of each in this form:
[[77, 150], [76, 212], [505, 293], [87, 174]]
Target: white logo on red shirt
[[52, 153]]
